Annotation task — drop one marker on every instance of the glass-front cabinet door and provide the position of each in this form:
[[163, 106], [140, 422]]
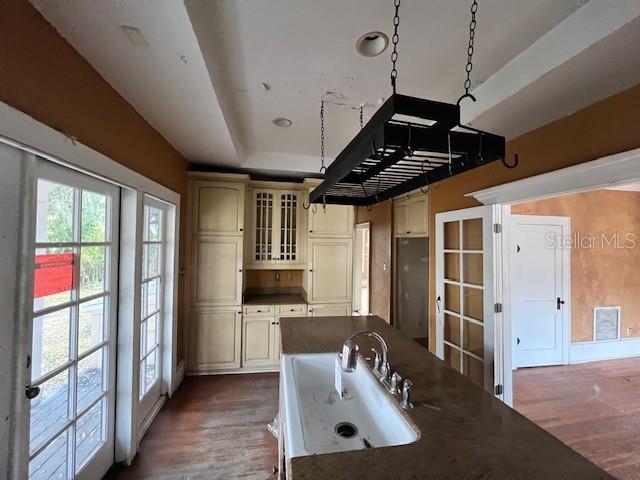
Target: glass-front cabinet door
[[276, 232]]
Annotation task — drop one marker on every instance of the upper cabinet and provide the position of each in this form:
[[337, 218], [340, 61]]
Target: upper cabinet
[[218, 208], [276, 231], [411, 216], [335, 221]]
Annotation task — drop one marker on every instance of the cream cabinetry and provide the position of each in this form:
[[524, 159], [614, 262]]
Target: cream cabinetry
[[258, 341], [329, 277], [411, 215], [217, 270], [275, 232], [330, 310], [215, 339], [335, 221], [218, 207]]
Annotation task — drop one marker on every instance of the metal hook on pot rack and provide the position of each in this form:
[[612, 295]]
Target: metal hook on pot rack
[[515, 163]]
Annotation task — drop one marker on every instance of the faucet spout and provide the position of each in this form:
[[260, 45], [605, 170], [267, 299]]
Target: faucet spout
[[349, 356]]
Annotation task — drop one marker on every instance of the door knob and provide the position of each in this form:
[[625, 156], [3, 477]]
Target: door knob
[[32, 392], [559, 303]]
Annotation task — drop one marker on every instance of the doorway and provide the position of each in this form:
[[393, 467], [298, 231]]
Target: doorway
[[73, 325], [412, 288], [362, 269]]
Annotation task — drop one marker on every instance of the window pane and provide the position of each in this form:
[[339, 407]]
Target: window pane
[[473, 304], [50, 346], [150, 260], [52, 461], [52, 277], [142, 378], [452, 357], [452, 329], [92, 270], [472, 234], [89, 434], [90, 378], [452, 266], [474, 369], [151, 369], [54, 212], [151, 329], [473, 269], [49, 410], [452, 235], [452, 297], [150, 299], [143, 339], [94, 214], [152, 230], [91, 324], [473, 338]]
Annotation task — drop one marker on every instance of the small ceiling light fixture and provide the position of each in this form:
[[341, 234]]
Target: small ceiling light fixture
[[372, 44], [135, 36], [282, 122]]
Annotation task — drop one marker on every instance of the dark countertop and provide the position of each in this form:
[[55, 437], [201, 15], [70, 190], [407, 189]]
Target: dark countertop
[[273, 299], [465, 432]]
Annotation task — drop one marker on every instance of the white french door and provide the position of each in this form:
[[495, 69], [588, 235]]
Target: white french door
[[465, 300], [73, 325], [153, 280]]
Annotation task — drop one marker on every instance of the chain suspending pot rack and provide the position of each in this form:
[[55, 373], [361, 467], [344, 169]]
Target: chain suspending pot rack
[[408, 143]]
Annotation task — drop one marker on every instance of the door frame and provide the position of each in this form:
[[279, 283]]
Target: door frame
[[357, 253], [566, 279], [604, 172]]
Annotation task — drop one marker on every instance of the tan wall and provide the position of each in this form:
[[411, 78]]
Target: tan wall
[[603, 275], [604, 128], [44, 77], [380, 218]]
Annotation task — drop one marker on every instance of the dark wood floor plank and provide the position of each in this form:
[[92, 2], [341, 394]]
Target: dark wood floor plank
[[214, 427], [592, 407]]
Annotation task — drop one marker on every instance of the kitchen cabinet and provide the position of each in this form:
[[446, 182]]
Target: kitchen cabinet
[[258, 349], [218, 207], [215, 339], [334, 221], [216, 270], [276, 232], [329, 278], [410, 215], [330, 310]]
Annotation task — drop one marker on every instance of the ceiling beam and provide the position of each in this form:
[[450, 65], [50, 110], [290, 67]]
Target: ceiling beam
[[590, 24]]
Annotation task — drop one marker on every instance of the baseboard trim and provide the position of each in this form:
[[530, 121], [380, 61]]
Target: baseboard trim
[[604, 350], [232, 371], [146, 423], [179, 376]]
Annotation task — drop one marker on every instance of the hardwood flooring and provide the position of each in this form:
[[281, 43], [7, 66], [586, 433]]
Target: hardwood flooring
[[214, 427], [592, 407]]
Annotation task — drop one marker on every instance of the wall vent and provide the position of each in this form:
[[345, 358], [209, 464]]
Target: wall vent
[[606, 323]]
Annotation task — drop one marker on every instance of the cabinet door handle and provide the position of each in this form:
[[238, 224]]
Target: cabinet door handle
[[240, 229], [273, 323], [311, 269], [240, 270], [310, 231]]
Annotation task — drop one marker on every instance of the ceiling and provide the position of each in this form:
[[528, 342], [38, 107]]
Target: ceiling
[[216, 73]]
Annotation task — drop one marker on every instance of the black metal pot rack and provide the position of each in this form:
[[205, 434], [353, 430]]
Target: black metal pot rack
[[407, 144]]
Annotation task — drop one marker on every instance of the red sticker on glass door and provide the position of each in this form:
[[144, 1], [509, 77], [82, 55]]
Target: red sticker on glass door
[[53, 274]]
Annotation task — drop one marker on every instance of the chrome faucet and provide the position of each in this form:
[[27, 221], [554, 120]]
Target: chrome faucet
[[349, 356], [406, 388]]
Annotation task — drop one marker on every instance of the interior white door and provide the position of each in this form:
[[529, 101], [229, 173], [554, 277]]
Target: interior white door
[[73, 325], [539, 279], [465, 295]]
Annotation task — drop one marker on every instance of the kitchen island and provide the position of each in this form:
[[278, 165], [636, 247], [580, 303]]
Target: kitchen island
[[465, 431]]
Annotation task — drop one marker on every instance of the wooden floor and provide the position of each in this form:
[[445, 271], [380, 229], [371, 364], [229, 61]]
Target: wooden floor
[[593, 407], [214, 427]]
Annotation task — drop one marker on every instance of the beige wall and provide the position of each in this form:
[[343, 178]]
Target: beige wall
[[604, 128], [380, 217], [44, 77], [602, 275]]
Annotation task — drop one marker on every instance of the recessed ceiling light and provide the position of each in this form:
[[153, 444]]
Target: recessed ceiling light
[[282, 122], [372, 44]]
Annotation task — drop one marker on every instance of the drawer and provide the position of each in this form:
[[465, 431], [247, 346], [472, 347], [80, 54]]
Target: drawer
[[292, 310], [259, 309]]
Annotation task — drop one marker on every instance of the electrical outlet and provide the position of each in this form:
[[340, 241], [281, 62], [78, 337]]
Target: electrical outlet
[[629, 332]]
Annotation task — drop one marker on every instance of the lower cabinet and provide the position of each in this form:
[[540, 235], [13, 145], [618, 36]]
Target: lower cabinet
[[258, 345], [216, 339], [331, 310]]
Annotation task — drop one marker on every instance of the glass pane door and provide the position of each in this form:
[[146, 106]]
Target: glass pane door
[[263, 231], [464, 298], [152, 285], [288, 226], [73, 325]]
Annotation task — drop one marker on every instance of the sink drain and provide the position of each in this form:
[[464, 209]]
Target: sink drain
[[346, 430]]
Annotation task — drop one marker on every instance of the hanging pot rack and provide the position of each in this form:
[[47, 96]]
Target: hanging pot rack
[[408, 143]]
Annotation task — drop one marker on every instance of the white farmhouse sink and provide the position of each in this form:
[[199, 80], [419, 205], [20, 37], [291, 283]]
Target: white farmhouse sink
[[314, 413]]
